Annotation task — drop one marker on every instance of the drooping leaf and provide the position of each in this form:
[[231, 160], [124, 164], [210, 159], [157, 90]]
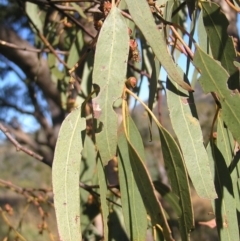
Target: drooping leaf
[[142, 177], [79, 10], [143, 18], [225, 144], [187, 128], [74, 53], [179, 181], [109, 74], [225, 141], [116, 228], [222, 45], [202, 39], [65, 176], [134, 212], [214, 79], [103, 195], [152, 66], [33, 12], [224, 206], [88, 166], [171, 198]]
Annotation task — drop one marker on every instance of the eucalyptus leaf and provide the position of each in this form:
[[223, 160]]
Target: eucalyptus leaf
[[109, 74], [224, 206], [214, 79], [134, 212], [225, 144], [222, 45], [142, 177], [65, 176], [187, 128], [33, 12], [142, 16], [103, 196]]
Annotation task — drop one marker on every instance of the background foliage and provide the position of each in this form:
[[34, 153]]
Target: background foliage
[[73, 76]]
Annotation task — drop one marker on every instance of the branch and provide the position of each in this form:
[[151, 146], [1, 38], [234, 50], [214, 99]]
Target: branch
[[5, 103], [14, 46], [19, 147], [34, 67]]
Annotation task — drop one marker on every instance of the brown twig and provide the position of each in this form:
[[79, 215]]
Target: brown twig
[[45, 41], [18, 235], [189, 51], [89, 189], [28, 194], [70, 17], [128, 16], [14, 46], [18, 146], [5, 103], [144, 73], [231, 5]]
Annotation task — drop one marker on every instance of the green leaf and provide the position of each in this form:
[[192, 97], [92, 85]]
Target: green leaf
[[116, 225], [225, 144], [224, 206], [202, 39], [33, 12], [225, 141], [134, 212], [178, 179], [222, 45], [213, 79], [88, 167], [171, 198], [79, 10], [74, 53], [142, 16], [142, 177], [103, 195], [109, 74], [65, 176], [189, 134]]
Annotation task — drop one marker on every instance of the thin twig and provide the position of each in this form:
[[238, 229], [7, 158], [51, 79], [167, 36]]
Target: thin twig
[[231, 5], [5, 103], [45, 41], [29, 195], [144, 73], [189, 51], [14, 46], [89, 189], [18, 235], [70, 17], [18, 146]]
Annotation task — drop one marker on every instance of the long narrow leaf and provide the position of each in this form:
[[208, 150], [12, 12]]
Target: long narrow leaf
[[221, 43], [134, 212], [189, 134], [225, 144], [177, 174], [179, 181], [103, 196], [224, 206], [109, 74], [65, 176], [214, 79], [142, 177], [142, 16]]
